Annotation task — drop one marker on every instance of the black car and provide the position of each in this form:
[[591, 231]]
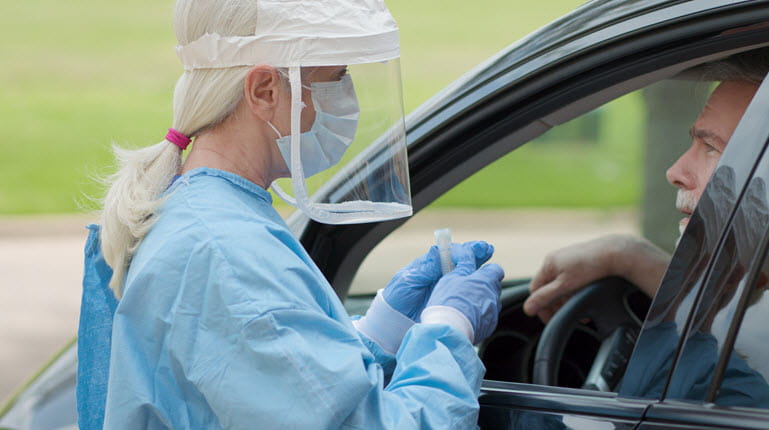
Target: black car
[[569, 373]]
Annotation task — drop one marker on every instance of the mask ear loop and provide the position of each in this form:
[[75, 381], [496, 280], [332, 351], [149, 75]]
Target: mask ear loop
[[295, 80]]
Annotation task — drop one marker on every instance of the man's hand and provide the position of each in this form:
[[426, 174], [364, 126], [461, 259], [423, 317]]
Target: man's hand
[[567, 270]]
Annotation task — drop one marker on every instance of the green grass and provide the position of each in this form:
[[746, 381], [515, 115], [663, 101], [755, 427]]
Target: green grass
[[81, 75], [563, 170]]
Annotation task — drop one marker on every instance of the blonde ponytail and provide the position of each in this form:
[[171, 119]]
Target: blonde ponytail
[[202, 99], [131, 202]]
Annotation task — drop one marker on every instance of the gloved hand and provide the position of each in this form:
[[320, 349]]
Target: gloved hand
[[466, 298], [410, 288]]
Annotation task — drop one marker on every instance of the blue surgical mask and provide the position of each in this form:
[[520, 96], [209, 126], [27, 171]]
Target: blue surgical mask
[[336, 120]]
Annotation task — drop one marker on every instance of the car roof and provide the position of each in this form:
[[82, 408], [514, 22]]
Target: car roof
[[595, 24]]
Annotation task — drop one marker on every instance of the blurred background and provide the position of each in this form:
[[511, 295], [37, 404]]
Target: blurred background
[[82, 75]]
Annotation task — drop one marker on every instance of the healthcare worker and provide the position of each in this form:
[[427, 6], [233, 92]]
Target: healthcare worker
[[223, 320]]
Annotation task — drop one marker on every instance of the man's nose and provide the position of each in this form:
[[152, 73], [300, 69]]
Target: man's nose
[[679, 175]]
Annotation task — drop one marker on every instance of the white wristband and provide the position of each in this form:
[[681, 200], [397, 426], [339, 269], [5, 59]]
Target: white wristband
[[450, 316], [384, 325]]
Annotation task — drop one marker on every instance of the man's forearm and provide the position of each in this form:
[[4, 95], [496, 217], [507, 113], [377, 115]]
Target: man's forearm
[[641, 262]]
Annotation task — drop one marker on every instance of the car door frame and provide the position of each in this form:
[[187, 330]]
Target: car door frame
[[669, 412], [500, 399]]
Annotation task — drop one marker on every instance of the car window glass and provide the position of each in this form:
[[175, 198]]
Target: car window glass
[[657, 344], [533, 201], [600, 173], [592, 160], [745, 369], [706, 274]]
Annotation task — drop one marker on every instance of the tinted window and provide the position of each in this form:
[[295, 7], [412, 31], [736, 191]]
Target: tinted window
[[696, 310], [744, 371], [589, 168], [595, 160], [656, 348]]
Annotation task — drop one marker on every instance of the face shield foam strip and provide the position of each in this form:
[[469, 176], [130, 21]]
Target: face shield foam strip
[[310, 33], [212, 51], [295, 83]]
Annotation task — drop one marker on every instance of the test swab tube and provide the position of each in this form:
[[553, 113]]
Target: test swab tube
[[443, 239]]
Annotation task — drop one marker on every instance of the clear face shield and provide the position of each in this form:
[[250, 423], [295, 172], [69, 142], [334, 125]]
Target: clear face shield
[[346, 124], [346, 150]]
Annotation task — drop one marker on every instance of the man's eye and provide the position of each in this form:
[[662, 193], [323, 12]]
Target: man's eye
[[710, 148]]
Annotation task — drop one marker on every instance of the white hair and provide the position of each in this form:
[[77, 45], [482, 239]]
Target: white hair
[[749, 67], [202, 99]]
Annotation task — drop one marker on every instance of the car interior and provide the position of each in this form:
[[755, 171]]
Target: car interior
[[596, 331]]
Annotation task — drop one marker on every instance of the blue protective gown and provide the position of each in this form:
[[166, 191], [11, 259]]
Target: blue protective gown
[[226, 322], [94, 336]]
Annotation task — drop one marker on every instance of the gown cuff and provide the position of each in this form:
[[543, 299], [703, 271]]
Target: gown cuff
[[450, 316], [384, 325]]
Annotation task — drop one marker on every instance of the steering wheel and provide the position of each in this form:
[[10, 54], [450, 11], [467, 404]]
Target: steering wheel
[[605, 303]]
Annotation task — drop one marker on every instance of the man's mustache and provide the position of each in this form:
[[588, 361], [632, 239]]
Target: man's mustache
[[686, 201]]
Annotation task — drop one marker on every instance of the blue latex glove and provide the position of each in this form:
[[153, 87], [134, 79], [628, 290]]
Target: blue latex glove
[[474, 293], [410, 288]]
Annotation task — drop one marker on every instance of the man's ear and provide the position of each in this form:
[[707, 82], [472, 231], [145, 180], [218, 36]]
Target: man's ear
[[262, 89]]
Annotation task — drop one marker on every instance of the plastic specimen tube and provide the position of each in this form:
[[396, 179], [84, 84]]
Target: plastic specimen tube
[[443, 239]]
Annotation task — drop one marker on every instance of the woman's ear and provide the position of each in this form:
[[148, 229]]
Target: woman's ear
[[262, 89]]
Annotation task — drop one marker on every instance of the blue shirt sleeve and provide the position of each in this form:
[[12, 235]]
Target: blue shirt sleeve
[[741, 385], [649, 366]]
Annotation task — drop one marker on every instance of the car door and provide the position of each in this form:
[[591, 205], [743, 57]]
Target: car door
[[684, 355], [720, 371], [506, 405]]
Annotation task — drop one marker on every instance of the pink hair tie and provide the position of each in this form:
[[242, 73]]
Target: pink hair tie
[[178, 139]]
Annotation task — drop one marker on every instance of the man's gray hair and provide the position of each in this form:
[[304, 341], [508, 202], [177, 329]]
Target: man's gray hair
[[751, 66]]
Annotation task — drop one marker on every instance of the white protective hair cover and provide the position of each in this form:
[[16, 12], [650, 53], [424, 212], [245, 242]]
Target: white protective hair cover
[[292, 33], [309, 33]]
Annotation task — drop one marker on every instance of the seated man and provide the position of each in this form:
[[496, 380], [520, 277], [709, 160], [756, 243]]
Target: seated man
[[566, 270], [643, 264]]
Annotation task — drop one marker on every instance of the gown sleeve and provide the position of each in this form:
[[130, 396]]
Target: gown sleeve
[[252, 340], [296, 368], [387, 361]]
